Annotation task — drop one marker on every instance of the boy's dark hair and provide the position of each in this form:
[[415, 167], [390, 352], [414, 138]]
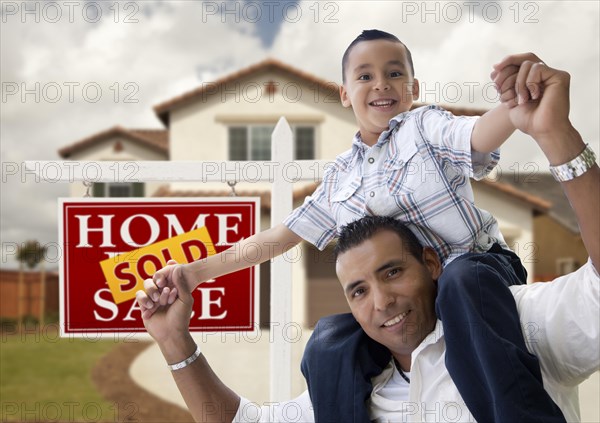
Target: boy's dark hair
[[370, 35], [357, 232]]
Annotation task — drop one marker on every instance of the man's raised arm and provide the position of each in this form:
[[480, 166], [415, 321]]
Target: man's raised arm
[[207, 398], [538, 98]]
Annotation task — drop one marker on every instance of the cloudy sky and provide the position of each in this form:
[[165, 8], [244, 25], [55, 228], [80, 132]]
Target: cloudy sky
[[141, 53]]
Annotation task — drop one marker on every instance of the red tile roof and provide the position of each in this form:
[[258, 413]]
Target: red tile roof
[[155, 139], [537, 203], [162, 110], [543, 185], [265, 196]]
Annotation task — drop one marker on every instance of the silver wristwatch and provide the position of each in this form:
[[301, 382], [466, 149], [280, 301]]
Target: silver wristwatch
[[576, 167]]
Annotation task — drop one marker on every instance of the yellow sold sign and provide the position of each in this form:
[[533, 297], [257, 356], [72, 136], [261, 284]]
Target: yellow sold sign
[[126, 272]]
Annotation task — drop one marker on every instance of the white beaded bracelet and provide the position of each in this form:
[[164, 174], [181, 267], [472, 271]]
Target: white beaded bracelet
[[576, 167], [187, 361]]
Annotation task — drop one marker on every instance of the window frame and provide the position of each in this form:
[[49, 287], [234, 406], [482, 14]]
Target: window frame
[[249, 141], [102, 189]]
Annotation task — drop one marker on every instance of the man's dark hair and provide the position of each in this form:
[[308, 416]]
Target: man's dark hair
[[370, 35], [357, 232]]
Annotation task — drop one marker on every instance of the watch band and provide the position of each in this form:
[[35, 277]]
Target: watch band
[[187, 361], [576, 167]]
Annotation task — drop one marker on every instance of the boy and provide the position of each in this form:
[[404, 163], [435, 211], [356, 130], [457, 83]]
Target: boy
[[415, 166]]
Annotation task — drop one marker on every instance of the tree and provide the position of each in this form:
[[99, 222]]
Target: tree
[[31, 253]]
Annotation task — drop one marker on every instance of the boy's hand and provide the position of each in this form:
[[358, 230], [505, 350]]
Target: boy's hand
[[162, 287], [537, 95], [514, 80], [168, 317]]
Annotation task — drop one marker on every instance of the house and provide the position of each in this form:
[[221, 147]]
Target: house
[[232, 119]]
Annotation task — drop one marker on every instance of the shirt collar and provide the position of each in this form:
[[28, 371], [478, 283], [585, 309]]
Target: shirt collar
[[433, 337], [358, 147]]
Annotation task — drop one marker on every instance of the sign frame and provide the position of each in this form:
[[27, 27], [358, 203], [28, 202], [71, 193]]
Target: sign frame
[[129, 334]]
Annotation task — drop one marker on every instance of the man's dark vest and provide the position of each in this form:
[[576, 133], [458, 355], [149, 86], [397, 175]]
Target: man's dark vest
[[338, 364]]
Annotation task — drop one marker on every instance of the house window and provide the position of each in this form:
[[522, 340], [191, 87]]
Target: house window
[[254, 142], [260, 142], [119, 190], [305, 143], [127, 189]]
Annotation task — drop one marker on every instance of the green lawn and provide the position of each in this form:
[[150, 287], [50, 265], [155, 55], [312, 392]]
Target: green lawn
[[44, 378]]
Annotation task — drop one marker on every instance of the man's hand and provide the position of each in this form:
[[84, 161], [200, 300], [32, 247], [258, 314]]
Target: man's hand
[[538, 98], [161, 280], [169, 316], [537, 95]]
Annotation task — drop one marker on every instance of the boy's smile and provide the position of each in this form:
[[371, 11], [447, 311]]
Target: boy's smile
[[379, 85]]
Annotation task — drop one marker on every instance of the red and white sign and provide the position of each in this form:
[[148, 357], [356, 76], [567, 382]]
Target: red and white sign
[[111, 245]]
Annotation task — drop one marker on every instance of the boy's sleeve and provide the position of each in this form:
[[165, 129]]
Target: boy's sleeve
[[313, 221], [450, 138]]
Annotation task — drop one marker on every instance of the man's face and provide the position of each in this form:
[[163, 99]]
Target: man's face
[[379, 85], [391, 294]]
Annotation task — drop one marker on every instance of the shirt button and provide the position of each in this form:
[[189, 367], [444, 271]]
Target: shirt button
[[371, 160], [372, 194]]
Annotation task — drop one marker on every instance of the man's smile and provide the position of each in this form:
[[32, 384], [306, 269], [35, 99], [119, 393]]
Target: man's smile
[[394, 321]]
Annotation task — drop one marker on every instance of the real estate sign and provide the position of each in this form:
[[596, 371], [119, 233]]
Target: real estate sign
[[111, 245]]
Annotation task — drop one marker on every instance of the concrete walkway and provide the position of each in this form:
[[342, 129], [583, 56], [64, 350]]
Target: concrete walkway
[[242, 362]]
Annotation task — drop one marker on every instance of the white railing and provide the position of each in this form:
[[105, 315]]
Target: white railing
[[282, 171]]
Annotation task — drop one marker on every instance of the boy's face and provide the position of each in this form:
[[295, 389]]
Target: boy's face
[[379, 85]]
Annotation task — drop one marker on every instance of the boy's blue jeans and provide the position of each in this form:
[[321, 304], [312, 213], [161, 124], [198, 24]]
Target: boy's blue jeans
[[486, 355], [499, 380]]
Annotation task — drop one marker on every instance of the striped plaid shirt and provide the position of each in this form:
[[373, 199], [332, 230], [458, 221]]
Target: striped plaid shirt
[[418, 172]]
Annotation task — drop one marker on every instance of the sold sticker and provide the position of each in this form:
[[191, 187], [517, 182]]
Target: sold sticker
[[123, 271]]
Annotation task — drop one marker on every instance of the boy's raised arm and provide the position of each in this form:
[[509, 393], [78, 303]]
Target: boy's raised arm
[[495, 126], [491, 130], [251, 251]]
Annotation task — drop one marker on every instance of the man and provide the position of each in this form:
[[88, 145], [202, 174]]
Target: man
[[402, 317], [390, 284]]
